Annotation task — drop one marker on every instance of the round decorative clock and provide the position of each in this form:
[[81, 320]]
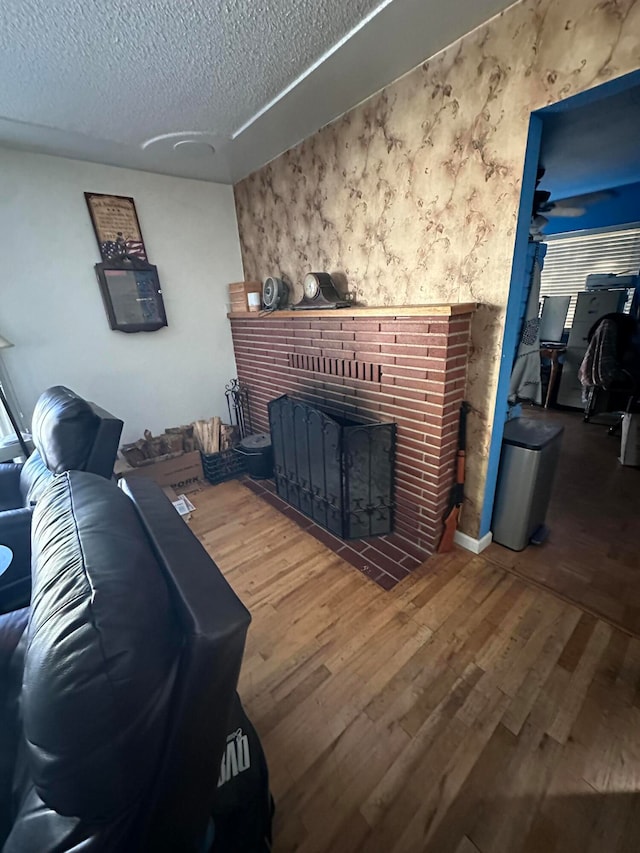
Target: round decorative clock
[[320, 292], [311, 285]]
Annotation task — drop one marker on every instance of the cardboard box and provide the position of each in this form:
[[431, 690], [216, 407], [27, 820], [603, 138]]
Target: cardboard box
[[182, 473]]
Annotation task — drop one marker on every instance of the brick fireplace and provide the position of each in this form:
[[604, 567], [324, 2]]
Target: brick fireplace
[[406, 365]]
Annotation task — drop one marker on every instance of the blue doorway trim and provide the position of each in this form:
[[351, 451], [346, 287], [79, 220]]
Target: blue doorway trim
[[596, 93], [512, 319]]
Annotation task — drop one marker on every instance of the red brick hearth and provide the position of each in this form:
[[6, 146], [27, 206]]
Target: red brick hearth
[[406, 365]]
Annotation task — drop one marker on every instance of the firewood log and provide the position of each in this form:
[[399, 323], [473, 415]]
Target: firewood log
[[215, 437]]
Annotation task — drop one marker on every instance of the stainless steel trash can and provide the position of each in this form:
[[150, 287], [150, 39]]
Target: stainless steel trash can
[[530, 451]]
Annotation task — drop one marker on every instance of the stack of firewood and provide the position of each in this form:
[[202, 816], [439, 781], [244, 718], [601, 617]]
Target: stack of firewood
[[229, 436], [209, 436], [173, 442], [188, 438], [212, 435]]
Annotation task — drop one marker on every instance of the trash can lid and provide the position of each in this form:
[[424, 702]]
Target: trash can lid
[[530, 434], [258, 441]]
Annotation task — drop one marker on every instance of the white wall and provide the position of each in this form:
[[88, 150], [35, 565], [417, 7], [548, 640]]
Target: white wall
[[51, 308]]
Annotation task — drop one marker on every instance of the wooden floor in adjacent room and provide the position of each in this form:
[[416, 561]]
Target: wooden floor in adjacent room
[[592, 556], [463, 711]]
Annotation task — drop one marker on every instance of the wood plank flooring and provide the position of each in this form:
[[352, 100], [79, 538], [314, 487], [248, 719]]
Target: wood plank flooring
[[592, 556], [464, 711]]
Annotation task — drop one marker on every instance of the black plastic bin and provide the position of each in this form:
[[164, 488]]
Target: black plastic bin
[[222, 466], [257, 454]]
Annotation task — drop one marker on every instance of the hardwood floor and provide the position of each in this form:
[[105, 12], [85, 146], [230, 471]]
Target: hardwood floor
[[592, 556], [464, 711]]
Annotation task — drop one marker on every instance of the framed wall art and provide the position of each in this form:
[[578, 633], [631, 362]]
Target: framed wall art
[[116, 226], [132, 296]]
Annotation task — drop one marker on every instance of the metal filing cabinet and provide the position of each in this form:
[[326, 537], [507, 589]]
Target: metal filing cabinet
[[530, 451]]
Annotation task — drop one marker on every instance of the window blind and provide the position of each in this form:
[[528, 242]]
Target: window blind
[[571, 258]]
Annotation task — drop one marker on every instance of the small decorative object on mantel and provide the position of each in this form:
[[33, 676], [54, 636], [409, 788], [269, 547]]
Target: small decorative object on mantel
[[131, 294], [320, 291], [275, 293], [116, 226], [244, 296]]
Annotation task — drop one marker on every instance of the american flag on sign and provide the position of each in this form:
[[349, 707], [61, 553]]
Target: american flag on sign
[[136, 248], [111, 250]]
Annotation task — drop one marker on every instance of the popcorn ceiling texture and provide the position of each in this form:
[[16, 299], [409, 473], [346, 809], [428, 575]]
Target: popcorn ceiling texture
[[414, 194], [191, 60]]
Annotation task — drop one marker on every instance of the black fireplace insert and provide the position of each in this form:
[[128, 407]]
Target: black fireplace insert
[[335, 469]]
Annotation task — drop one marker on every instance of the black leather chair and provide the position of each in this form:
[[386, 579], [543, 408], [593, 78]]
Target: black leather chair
[[610, 370], [69, 433], [117, 684]]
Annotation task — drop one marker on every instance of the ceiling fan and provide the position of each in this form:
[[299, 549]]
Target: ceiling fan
[[574, 206]]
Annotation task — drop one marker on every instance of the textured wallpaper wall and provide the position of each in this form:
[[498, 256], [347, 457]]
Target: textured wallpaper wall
[[413, 195]]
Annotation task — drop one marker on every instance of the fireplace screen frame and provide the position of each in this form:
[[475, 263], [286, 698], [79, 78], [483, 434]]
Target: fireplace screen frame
[[336, 469]]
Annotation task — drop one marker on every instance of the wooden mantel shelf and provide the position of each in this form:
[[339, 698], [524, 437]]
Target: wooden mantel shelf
[[437, 310]]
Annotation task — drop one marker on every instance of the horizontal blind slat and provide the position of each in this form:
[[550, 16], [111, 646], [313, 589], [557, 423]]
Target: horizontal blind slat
[[569, 260]]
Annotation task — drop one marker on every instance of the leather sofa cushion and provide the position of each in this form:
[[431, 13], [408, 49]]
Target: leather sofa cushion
[[103, 647], [64, 428]]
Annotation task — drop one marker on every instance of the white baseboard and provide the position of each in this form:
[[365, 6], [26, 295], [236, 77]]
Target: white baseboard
[[477, 546]]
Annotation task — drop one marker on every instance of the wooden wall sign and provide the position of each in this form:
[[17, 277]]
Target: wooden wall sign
[[116, 226]]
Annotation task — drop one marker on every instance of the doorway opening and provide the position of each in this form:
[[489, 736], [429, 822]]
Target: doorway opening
[[578, 241]]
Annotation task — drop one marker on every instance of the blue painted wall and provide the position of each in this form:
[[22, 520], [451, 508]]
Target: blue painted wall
[[623, 208], [590, 141]]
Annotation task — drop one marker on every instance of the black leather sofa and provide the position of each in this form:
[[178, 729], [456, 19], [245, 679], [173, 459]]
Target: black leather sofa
[[69, 433], [117, 683]]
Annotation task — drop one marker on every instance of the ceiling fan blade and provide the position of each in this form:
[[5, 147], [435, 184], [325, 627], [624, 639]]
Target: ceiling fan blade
[[575, 205], [563, 210], [586, 199]]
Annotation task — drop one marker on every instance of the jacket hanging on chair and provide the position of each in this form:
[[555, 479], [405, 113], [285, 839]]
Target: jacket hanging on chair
[[602, 365]]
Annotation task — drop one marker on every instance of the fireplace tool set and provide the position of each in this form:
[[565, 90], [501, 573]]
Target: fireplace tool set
[[238, 405]]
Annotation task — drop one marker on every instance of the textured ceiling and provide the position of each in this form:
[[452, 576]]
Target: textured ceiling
[[96, 80], [126, 71]]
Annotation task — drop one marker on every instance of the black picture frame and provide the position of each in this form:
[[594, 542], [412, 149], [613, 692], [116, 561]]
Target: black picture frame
[[132, 295]]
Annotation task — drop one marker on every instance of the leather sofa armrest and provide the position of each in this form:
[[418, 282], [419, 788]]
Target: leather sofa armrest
[[12, 646], [15, 532], [15, 583], [12, 627], [10, 484]]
